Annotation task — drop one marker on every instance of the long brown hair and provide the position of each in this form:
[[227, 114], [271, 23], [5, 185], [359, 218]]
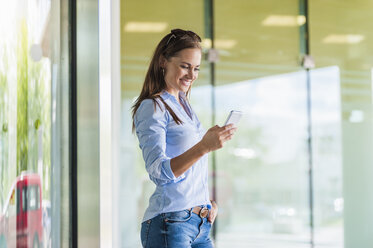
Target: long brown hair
[[154, 82]]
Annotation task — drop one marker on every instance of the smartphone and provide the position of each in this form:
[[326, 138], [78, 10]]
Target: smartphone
[[233, 117]]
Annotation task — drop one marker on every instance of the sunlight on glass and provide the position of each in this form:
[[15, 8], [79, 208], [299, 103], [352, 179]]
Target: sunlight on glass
[[25, 116], [356, 116], [284, 20], [246, 153], [343, 39], [145, 27], [338, 205], [7, 17]]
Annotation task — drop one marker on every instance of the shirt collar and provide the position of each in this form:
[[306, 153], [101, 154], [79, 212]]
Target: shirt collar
[[165, 95], [182, 95]]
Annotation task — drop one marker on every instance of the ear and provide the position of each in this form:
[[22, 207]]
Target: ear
[[162, 61]]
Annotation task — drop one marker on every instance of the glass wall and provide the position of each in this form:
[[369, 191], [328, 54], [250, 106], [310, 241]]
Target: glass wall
[[263, 174], [262, 181], [342, 83], [32, 102]]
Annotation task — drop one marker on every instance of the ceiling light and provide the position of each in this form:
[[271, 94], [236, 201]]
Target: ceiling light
[[206, 43], [219, 43], [356, 116], [343, 38], [145, 27], [284, 20], [225, 44]]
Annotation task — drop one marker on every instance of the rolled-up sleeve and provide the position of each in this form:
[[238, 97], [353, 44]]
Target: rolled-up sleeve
[[151, 128]]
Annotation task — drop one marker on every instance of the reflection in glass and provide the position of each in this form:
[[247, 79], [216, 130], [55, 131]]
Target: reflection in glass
[[327, 156], [342, 51], [261, 176], [25, 121]]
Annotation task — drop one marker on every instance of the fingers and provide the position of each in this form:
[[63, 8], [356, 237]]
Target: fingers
[[227, 127], [216, 136], [214, 127], [213, 212], [227, 134], [212, 215], [223, 129]]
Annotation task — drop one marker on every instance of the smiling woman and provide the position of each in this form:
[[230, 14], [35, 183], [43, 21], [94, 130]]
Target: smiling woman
[[175, 146]]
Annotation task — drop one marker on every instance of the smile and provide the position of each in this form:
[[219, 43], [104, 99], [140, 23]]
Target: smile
[[186, 82]]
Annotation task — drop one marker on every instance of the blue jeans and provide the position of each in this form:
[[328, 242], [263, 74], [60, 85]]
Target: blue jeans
[[181, 229]]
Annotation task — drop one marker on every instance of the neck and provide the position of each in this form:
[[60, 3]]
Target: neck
[[174, 93]]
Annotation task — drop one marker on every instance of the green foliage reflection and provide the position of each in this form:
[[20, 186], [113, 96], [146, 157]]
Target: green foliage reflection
[[22, 100], [29, 130]]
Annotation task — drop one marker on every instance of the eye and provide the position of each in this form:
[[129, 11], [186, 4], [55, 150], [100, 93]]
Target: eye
[[196, 69], [184, 67]]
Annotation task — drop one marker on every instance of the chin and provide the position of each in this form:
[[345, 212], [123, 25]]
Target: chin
[[185, 90]]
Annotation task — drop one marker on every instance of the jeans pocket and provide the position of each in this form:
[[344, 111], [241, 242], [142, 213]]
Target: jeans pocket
[[145, 226], [178, 216]]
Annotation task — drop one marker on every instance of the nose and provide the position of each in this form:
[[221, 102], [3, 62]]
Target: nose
[[192, 74]]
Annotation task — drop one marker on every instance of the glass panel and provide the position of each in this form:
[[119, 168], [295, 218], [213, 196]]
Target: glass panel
[[26, 121], [262, 181], [261, 178], [327, 156], [342, 50], [87, 124], [256, 38], [143, 24]]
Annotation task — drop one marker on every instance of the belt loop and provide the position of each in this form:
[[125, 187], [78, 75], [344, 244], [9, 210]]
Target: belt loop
[[200, 211]]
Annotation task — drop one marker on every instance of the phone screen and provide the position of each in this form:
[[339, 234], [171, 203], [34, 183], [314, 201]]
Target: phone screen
[[233, 117]]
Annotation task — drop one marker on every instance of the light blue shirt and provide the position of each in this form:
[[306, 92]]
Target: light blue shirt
[[162, 139]]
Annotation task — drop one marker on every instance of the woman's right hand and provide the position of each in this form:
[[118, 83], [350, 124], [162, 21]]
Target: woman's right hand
[[213, 140], [217, 136]]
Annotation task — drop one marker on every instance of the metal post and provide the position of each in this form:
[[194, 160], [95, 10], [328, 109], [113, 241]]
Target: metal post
[[209, 34], [307, 64]]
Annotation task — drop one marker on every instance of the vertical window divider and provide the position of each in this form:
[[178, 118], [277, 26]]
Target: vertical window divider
[[73, 127], [307, 64], [209, 34]]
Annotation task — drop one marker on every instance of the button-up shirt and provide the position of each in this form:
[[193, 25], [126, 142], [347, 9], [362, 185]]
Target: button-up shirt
[[161, 139]]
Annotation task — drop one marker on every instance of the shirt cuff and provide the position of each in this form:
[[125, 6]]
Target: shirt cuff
[[167, 169], [168, 172]]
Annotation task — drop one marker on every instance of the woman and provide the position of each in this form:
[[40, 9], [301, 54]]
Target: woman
[[175, 147]]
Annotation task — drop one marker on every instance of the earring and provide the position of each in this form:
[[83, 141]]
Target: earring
[[163, 71]]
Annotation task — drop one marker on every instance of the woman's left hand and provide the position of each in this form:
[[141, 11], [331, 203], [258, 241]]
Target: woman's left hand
[[213, 212]]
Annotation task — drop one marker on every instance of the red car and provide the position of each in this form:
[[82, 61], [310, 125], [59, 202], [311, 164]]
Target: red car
[[21, 218]]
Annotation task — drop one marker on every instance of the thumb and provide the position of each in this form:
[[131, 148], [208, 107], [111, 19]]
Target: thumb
[[214, 127]]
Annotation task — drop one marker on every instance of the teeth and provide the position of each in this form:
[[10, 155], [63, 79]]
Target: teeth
[[186, 82]]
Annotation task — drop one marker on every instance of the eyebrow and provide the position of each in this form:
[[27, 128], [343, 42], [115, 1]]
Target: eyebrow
[[189, 64]]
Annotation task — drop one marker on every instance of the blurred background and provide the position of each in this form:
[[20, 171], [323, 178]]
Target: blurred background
[[296, 174]]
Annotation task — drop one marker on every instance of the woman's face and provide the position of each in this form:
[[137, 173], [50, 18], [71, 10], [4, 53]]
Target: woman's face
[[182, 70]]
